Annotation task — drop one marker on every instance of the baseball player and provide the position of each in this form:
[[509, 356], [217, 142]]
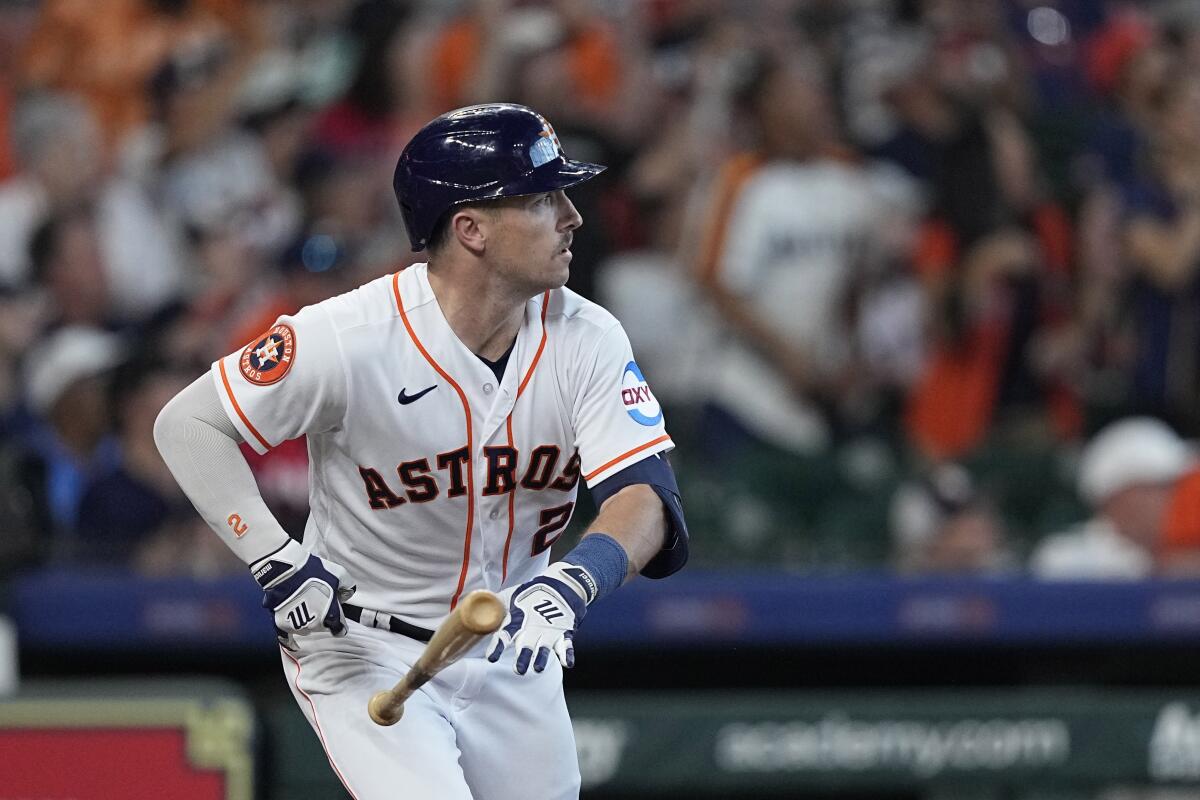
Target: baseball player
[[451, 411]]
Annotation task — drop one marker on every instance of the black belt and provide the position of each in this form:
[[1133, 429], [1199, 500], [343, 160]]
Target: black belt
[[378, 619]]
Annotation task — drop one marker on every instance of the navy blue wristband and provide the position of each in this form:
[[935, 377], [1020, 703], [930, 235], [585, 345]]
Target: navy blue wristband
[[604, 559]]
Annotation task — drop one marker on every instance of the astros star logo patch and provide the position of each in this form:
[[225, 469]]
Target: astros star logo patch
[[267, 359]]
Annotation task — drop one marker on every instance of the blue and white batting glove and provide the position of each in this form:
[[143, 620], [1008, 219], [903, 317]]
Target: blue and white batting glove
[[303, 592], [542, 616]]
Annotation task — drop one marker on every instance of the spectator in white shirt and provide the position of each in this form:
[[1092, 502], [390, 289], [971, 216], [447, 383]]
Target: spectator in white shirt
[[1127, 474]]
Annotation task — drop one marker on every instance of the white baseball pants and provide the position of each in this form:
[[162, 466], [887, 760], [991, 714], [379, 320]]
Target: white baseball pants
[[477, 731]]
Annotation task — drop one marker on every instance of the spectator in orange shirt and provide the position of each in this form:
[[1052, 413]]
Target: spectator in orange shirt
[[108, 57], [474, 54], [1180, 551]]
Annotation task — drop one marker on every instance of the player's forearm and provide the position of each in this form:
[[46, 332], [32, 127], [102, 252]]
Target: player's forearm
[[200, 447], [636, 519]]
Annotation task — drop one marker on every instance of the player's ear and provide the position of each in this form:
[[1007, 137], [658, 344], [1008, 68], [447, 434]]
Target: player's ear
[[469, 227]]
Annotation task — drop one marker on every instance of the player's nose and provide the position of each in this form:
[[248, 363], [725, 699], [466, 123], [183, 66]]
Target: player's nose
[[568, 216]]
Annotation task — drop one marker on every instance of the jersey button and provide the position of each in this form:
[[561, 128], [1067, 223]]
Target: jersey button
[[487, 388], [495, 513]]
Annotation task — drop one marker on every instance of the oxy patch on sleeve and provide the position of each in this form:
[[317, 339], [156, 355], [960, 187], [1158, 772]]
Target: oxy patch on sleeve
[[268, 359], [640, 404]]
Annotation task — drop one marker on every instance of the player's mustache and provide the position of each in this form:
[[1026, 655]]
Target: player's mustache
[[566, 242]]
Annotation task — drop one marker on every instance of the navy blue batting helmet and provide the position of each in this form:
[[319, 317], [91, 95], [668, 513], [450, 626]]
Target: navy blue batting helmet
[[479, 153]]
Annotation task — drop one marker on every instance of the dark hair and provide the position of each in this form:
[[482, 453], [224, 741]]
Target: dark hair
[[439, 237]]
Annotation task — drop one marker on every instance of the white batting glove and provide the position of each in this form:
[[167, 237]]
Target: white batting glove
[[303, 592], [542, 616]]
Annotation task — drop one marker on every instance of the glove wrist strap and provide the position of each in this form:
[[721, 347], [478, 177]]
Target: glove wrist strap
[[274, 567], [602, 561]]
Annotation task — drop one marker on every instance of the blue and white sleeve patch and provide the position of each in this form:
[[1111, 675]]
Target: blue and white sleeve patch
[[640, 403]]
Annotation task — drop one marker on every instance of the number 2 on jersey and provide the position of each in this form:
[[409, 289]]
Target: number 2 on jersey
[[552, 522]]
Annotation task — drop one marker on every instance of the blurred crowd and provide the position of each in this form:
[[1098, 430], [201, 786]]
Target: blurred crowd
[[917, 280]]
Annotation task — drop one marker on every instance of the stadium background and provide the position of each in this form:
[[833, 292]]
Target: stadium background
[[890, 266]]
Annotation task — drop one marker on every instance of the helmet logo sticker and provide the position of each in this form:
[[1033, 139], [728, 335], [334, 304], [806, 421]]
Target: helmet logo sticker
[[267, 359], [547, 147], [542, 152], [641, 406]]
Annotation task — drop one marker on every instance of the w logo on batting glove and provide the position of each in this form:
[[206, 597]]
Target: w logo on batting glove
[[303, 592], [548, 610], [542, 616], [300, 617]]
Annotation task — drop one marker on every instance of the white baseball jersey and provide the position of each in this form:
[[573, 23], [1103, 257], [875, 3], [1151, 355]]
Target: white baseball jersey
[[795, 237], [428, 477]]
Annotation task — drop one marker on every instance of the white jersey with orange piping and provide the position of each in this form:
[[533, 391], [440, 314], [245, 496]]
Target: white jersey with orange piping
[[429, 477]]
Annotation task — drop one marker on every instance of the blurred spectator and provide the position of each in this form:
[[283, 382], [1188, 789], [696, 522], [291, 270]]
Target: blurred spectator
[[474, 54], [23, 504], [23, 315], [17, 18], [106, 59], [995, 258], [348, 203], [374, 117], [65, 254], [55, 143], [1128, 66], [70, 439], [1179, 551], [791, 227], [1128, 475], [314, 267], [655, 206], [1162, 242], [230, 278], [128, 501], [944, 525], [24, 507], [216, 176], [276, 115]]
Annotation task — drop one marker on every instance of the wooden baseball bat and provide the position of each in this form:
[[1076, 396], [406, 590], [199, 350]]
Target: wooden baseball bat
[[480, 613]]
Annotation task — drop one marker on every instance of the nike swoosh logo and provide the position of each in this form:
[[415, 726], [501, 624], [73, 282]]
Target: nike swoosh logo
[[405, 399]]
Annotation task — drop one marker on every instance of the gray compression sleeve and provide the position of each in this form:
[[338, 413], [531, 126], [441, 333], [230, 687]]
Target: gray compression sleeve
[[200, 446]]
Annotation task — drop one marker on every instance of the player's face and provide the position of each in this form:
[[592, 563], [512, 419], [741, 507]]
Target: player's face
[[531, 245]]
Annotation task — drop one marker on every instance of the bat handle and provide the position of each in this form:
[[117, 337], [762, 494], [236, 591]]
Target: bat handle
[[387, 707], [479, 614]]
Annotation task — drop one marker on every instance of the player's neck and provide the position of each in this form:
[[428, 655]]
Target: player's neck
[[484, 318]]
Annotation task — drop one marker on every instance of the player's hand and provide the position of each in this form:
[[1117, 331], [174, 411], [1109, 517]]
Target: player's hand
[[303, 592], [542, 616]]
